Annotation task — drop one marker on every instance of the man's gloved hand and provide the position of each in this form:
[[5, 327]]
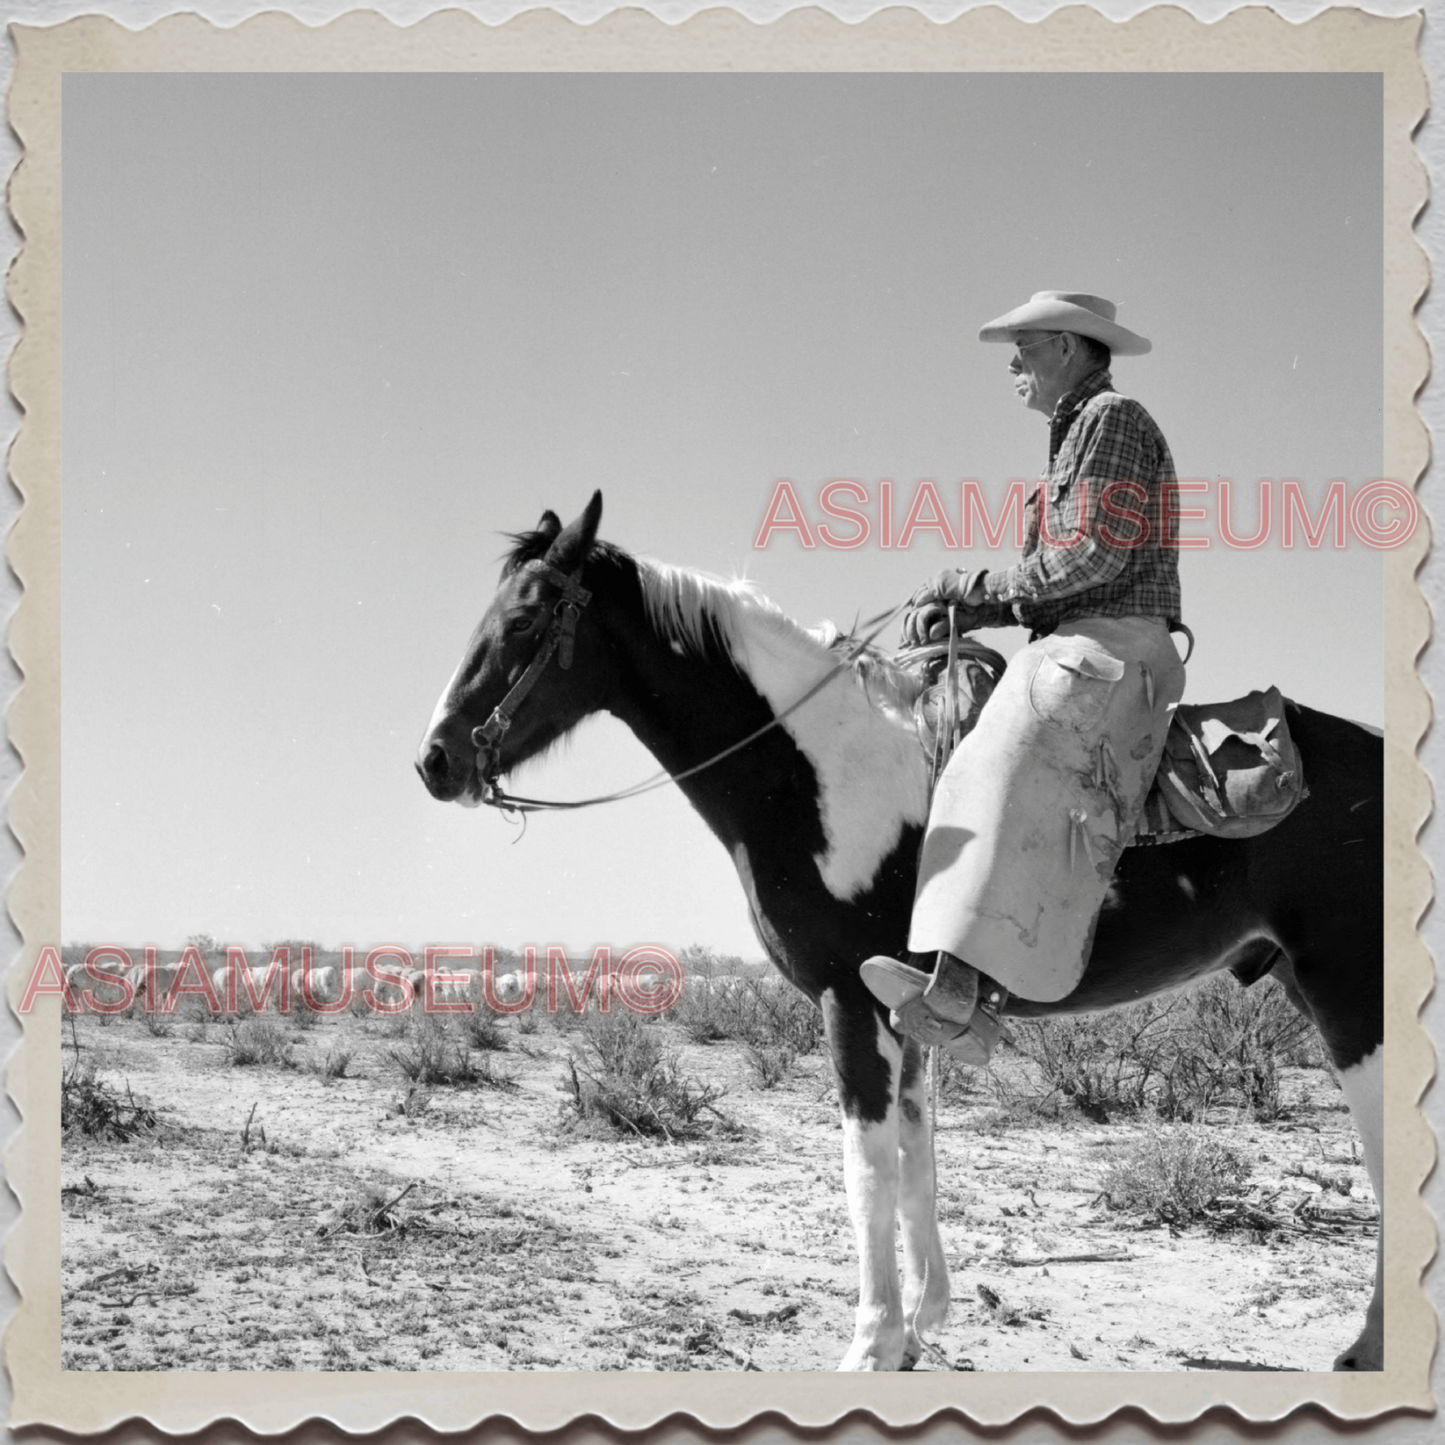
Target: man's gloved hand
[[927, 619]]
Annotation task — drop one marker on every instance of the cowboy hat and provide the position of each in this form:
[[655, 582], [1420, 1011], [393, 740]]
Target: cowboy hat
[[1067, 311]]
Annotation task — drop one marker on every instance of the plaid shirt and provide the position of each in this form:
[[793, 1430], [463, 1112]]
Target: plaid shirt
[[1110, 491]]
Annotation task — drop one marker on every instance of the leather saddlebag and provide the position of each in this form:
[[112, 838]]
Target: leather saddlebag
[[1231, 768]]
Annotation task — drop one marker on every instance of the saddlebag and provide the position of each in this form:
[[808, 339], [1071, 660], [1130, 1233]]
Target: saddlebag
[[1229, 768]]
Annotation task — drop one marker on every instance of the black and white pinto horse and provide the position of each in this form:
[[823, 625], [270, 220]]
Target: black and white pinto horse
[[822, 816]]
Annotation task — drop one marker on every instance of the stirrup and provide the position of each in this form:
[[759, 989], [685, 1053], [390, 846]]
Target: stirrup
[[942, 1010]]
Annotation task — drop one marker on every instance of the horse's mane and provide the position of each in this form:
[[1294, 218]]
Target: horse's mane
[[697, 612]]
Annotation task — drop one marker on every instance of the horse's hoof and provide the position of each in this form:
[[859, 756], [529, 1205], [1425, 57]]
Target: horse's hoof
[[1361, 1356], [863, 1357]]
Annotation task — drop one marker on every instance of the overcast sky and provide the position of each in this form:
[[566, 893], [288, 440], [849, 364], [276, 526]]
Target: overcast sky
[[327, 337]]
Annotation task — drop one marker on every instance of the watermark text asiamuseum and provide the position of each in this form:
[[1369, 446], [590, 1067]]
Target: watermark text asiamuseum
[[845, 514], [386, 979]]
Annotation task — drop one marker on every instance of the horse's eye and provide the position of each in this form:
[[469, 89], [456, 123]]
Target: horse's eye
[[522, 623]]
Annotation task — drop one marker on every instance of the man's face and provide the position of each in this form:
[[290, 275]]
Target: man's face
[[1038, 366]]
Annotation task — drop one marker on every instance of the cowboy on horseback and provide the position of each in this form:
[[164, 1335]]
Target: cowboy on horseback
[[1041, 797]]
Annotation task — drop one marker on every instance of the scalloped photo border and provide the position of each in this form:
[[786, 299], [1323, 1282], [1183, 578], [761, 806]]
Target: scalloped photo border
[[1076, 39]]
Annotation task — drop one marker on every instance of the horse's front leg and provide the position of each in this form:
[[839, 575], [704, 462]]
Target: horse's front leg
[[925, 1270], [1364, 1090], [866, 1060]]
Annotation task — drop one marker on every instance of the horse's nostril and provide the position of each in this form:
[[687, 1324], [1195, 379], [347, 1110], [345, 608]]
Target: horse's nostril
[[434, 765]]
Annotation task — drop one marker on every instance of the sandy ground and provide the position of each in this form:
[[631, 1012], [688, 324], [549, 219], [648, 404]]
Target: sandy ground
[[525, 1242]]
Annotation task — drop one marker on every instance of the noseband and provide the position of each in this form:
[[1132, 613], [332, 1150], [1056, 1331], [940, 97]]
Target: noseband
[[561, 638]]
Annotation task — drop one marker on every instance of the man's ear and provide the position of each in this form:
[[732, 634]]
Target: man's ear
[[570, 549]]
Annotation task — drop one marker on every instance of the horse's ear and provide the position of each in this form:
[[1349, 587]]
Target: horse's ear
[[572, 545], [549, 526]]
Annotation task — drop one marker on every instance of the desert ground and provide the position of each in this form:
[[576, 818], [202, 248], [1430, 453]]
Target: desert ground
[[295, 1193]]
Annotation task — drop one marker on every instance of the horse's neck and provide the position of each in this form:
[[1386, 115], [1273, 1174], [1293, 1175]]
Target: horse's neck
[[687, 705], [836, 778]]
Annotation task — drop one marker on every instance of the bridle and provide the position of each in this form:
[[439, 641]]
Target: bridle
[[561, 639]]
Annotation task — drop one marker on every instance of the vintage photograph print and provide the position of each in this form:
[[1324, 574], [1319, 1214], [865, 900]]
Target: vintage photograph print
[[717, 722]]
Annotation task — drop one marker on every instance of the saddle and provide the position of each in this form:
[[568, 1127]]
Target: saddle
[[1229, 769]]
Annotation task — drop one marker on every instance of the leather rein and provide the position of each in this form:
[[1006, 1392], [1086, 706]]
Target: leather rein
[[561, 641]]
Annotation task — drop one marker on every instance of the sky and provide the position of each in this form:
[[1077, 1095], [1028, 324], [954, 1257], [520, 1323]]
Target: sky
[[328, 338]]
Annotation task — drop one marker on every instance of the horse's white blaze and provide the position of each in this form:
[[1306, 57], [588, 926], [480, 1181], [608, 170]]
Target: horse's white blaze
[[871, 1176], [870, 768], [443, 707]]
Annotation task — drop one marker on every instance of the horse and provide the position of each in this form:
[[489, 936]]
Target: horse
[[822, 814]]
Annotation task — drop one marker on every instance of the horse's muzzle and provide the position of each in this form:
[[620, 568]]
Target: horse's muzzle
[[446, 774]]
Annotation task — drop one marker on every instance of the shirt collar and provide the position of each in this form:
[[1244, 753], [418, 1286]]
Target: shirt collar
[[1071, 401]]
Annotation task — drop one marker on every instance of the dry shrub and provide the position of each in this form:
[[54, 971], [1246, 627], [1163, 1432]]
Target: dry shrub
[[620, 1071], [1177, 1056], [302, 1016], [483, 1030], [770, 1063], [335, 1064], [763, 1013], [431, 1054], [435, 1052], [259, 1040], [1173, 1174], [94, 1108], [157, 1025]]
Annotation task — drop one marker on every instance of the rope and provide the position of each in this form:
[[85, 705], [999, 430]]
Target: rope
[[941, 753]]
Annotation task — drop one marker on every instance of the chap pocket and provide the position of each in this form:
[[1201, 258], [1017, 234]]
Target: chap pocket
[[1072, 689]]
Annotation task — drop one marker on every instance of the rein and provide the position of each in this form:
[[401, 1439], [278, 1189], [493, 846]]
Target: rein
[[488, 736]]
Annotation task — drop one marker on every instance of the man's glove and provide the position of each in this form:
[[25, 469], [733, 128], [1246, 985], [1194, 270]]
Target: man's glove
[[927, 619]]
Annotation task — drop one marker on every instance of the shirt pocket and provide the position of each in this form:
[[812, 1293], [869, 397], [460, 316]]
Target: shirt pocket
[[1071, 687]]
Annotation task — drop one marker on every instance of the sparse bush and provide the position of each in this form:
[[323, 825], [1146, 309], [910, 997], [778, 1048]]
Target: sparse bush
[[337, 1061], [157, 1025], [416, 1103], [619, 1071], [483, 1030], [432, 1054], [438, 1051], [764, 1013], [1173, 1174], [93, 1107], [302, 1016], [770, 1063], [490, 1074], [259, 1040], [957, 1081], [1177, 1056]]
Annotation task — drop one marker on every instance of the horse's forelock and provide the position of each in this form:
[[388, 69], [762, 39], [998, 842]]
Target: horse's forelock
[[532, 546], [526, 547]]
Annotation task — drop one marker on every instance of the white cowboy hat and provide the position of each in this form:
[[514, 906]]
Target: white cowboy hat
[[1067, 311]]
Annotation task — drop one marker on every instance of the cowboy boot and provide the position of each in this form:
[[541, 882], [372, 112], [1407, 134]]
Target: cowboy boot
[[943, 1009]]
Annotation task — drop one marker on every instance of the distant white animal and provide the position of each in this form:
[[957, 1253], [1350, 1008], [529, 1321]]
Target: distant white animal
[[77, 980], [165, 977], [508, 988], [320, 985]]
